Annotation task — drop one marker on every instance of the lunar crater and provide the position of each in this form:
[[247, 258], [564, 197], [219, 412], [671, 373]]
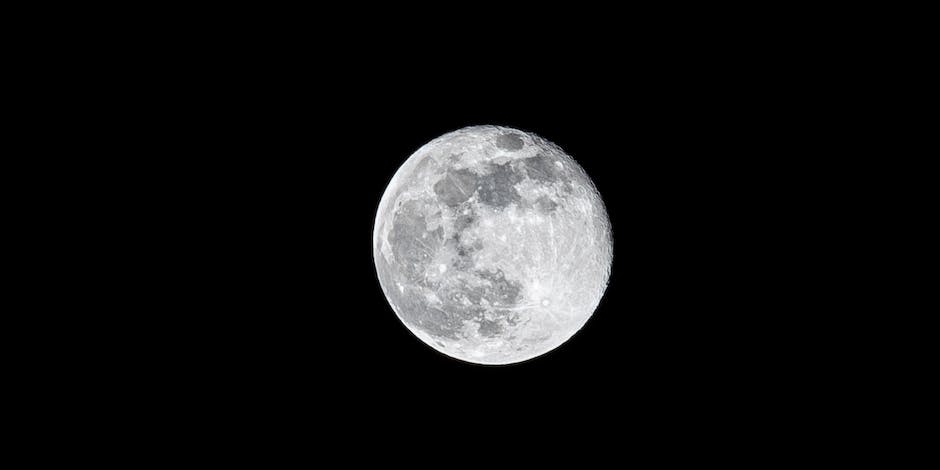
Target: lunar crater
[[492, 245], [509, 141]]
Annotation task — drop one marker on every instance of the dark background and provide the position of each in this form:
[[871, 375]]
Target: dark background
[[692, 313], [222, 168], [272, 162]]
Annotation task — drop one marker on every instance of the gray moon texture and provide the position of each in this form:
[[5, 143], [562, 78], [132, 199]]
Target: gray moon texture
[[492, 245]]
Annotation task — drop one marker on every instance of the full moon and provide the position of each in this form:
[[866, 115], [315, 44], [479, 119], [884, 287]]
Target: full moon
[[492, 245]]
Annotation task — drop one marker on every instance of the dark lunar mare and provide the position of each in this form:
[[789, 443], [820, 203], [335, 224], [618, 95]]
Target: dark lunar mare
[[498, 188], [464, 221], [439, 322], [413, 246], [545, 205], [543, 169], [466, 217], [489, 328], [456, 186], [412, 307], [500, 292], [498, 289], [412, 243]]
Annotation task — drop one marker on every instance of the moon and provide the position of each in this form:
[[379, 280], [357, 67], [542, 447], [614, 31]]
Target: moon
[[492, 245]]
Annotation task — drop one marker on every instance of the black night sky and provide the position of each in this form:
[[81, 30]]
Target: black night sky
[[286, 167]]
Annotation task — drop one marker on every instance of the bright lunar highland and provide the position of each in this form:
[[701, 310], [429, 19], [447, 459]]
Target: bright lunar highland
[[492, 245]]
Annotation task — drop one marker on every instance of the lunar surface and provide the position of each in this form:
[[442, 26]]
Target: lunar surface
[[492, 245]]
